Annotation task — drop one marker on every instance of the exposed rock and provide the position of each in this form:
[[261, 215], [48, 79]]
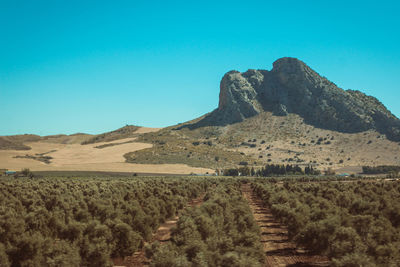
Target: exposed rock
[[280, 110], [293, 87]]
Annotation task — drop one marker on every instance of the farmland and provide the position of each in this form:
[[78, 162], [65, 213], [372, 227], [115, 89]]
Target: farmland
[[357, 222], [198, 221], [85, 222]]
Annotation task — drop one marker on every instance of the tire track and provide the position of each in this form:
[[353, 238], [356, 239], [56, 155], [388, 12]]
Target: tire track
[[279, 250]]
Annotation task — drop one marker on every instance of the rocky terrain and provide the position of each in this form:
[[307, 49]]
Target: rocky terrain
[[293, 87], [290, 114]]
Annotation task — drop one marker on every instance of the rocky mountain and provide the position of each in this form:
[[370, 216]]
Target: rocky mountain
[[293, 87]]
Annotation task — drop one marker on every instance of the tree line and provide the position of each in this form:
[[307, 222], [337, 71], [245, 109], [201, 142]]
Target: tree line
[[271, 170], [382, 169]]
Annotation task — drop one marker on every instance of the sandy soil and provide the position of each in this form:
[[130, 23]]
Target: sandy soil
[[76, 157], [279, 251], [147, 130]]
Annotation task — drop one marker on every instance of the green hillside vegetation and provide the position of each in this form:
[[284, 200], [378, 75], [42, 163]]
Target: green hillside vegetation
[[170, 146]]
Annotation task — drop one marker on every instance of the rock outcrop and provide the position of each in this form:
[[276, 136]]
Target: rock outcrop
[[293, 87]]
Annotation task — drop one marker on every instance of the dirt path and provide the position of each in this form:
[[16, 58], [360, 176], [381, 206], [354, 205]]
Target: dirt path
[[279, 251], [163, 234]]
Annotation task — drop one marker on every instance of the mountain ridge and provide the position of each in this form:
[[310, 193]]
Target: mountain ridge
[[291, 86]]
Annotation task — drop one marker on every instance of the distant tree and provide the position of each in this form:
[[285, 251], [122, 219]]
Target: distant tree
[[25, 171], [329, 171], [252, 172], [244, 171]]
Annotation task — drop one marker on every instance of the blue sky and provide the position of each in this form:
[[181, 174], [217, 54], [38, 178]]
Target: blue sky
[[94, 66]]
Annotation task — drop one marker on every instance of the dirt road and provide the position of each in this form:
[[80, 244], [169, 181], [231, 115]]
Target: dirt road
[[279, 251]]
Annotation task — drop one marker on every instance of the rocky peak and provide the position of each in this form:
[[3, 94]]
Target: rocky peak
[[293, 87], [289, 65]]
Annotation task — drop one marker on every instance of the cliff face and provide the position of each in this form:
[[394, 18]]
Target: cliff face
[[293, 87]]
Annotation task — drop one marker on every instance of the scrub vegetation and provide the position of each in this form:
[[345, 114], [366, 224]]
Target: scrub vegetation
[[89, 221], [170, 147], [221, 232], [85, 221], [354, 223]]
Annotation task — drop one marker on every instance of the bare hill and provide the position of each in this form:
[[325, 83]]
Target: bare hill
[[16, 142], [121, 133]]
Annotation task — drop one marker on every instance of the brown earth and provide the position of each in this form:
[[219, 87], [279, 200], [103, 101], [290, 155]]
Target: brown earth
[[259, 140], [290, 140], [121, 133], [163, 234], [266, 138], [67, 154], [279, 250]]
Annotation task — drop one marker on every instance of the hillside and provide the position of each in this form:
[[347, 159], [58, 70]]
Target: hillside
[[291, 87], [287, 115], [16, 142], [64, 153], [267, 138], [121, 133]]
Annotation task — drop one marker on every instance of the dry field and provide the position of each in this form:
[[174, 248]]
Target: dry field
[[67, 154], [259, 140]]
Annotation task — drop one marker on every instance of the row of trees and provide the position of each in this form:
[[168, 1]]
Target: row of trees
[[221, 232], [85, 221], [353, 223], [381, 169], [270, 170]]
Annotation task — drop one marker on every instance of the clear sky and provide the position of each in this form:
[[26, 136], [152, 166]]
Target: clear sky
[[94, 66]]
